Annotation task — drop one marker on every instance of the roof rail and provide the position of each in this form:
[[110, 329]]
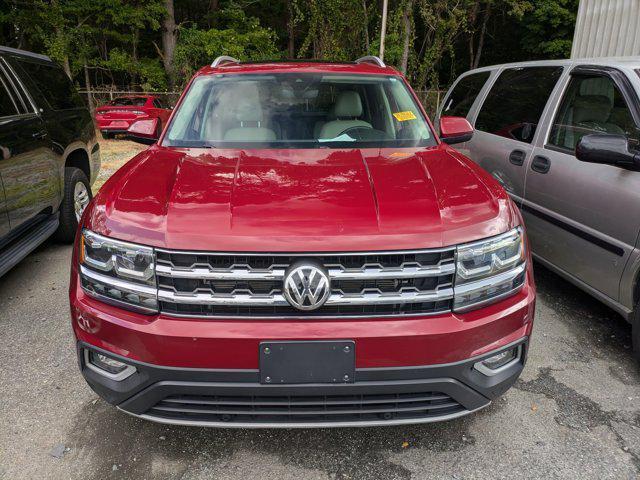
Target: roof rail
[[222, 59], [24, 53], [371, 59]]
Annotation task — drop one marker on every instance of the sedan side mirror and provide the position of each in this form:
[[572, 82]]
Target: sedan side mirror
[[144, 131], [608, 150], [455, 130]]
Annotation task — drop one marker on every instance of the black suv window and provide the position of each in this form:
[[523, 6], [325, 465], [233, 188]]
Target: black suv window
[[53, 84], [7, 105], [591, 104], [464, 94], [515, 103]]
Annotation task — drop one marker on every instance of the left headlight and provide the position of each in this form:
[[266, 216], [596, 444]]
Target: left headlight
[[120, 272], [489, 270]]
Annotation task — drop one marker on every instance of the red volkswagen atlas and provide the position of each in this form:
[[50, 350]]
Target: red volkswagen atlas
[[300, 249]]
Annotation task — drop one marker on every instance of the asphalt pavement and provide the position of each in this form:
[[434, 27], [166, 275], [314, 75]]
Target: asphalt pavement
[[575, 412]]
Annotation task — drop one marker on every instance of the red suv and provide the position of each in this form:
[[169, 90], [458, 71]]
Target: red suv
[[300, 248], [118, 115]]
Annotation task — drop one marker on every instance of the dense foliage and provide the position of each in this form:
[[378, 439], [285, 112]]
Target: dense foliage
[[158, 44]]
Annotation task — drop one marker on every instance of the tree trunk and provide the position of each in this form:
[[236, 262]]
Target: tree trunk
[[383, 29], [483, 31], [87, 83], [367, 43], [472, 23], [134, 57], [213, 7], [169, 39], [406, 22], [66, 66], [291, 47]]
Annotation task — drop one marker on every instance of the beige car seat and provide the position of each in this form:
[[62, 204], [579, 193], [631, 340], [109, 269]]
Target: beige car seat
[[348, 108], [250, 130]]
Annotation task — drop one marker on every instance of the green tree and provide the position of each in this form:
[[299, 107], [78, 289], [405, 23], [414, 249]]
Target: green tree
[[548, 28], [243, 38]]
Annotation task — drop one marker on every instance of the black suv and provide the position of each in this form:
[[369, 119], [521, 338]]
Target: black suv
[[49, 154]]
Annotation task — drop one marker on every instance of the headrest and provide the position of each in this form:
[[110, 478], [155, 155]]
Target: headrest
[[591, 108], [348, 104], [248, 112]]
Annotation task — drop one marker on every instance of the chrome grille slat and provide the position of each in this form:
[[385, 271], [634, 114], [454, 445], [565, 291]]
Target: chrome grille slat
[[364, 298], [337, 273], [251, 284]]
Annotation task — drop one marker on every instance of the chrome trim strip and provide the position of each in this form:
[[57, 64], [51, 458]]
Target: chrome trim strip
[[117, 283], [336, 273], [482, 368], [277, 300], [307, 254], [374, 273], [234, 273], [336, 316], [252, 425], [118, 377], [489, 281]]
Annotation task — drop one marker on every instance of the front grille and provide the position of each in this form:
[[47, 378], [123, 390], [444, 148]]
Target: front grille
[[201, 284], [306, 409]]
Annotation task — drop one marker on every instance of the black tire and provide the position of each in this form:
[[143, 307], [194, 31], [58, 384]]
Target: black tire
[[107, 135], [68, 223]]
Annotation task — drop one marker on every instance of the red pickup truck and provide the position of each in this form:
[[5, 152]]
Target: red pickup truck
[[300, 248]]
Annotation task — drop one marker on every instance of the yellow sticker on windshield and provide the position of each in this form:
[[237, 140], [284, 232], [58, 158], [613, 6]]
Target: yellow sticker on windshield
[[404, 116]]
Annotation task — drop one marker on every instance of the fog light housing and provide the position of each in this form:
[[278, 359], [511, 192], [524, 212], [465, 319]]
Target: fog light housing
[[499, 362], [107, 366]]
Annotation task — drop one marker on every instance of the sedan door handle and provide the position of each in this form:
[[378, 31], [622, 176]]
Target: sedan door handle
[[540, 164], [517, 157]]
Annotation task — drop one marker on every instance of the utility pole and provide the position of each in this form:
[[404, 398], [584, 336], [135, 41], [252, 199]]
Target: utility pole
[[383, 30]]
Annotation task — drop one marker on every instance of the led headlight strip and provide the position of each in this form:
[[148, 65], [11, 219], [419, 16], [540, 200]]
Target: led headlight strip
[[489, 270], [118, 272]]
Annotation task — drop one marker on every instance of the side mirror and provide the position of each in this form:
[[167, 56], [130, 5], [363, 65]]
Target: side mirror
[[455, 130], [608, 150], [144, 131]]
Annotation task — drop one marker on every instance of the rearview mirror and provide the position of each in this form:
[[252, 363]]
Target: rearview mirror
[[455, 130], [608, 150], [144, 131]]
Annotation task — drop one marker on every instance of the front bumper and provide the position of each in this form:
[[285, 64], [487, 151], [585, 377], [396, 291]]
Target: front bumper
[[236, 398], [205, 371]]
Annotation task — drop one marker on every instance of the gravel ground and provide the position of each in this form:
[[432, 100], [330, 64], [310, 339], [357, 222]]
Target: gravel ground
[[575, 412]]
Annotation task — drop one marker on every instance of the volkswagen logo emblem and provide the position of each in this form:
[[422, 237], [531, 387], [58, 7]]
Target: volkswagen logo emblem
[[306, 286]]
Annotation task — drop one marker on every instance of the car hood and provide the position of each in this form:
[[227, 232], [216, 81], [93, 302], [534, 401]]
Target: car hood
[[300, 200]]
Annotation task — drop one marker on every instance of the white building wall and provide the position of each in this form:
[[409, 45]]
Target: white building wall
[[607, 28]]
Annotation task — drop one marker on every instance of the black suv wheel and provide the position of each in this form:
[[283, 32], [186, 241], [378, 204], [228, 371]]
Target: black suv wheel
[[77, 195]]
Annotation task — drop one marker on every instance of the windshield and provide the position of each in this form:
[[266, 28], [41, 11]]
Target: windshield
[[298, 111]]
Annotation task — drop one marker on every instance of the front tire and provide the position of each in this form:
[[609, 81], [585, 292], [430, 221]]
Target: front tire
[[76, 197]]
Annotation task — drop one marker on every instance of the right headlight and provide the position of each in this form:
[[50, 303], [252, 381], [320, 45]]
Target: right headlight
[[118, 272], [489, 270]]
